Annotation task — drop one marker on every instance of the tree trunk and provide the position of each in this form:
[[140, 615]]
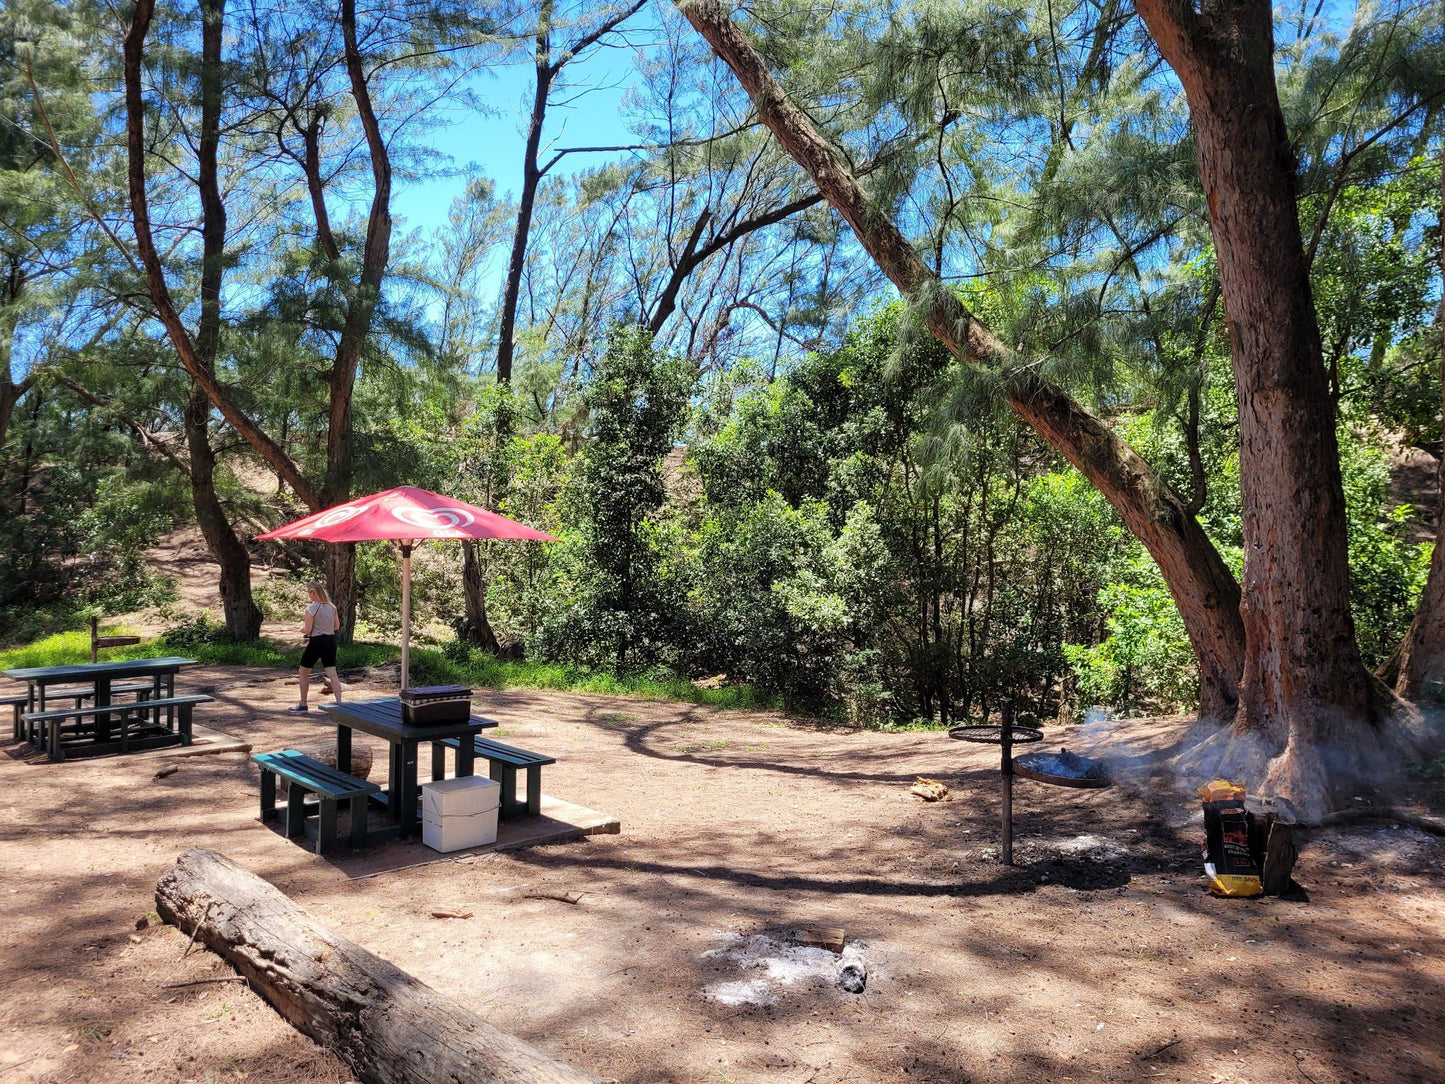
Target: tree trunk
[[9, 397], [340, 565], [526, 202], [1201, 584], [238, 605], [1422, 657], [9, 319], [361, 304], [388, 1026], [478, 628], [362, 298], [1305, 694], [242, 616]]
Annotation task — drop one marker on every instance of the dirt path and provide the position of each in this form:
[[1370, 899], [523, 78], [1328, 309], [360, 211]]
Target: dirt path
[[1098, 957]]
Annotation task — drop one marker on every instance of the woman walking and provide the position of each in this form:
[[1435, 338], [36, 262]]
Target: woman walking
[[320, 633]]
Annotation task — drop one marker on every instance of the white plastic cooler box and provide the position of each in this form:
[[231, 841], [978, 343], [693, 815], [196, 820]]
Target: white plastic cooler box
[[459, 813]]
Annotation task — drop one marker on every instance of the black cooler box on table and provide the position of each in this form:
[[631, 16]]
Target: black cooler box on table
[[435, 705]]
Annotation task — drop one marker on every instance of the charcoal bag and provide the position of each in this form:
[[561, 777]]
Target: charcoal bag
[[1228, 865]]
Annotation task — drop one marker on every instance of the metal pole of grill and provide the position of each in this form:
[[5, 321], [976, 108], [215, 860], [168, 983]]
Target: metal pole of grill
[[1006, 769]]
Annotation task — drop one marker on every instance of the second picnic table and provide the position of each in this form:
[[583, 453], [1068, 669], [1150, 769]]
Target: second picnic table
[[96, 681], [382, 718]]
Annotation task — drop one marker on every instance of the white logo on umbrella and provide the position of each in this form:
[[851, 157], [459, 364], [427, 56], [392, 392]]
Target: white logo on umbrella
[[441, 522], [332, 518]]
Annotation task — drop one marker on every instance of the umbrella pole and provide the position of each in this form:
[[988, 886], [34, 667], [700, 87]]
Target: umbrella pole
[[405, 614]]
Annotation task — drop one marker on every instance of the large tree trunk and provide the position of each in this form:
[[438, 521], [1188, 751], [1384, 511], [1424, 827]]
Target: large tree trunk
[[388, 1026], [1201, 584], [361, 304], [9, 397], [1306, 702], [1422, 657]]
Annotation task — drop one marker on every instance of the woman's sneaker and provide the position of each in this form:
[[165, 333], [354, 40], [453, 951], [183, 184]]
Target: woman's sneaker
[[299, 709]]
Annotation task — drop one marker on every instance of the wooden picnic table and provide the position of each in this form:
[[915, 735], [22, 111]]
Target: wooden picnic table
[[98, 678], [382, 718]]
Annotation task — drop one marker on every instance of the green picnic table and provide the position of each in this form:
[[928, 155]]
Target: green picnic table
[[152, 680]]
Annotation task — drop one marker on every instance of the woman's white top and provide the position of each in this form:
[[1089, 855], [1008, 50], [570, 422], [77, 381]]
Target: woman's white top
[[323, 618]]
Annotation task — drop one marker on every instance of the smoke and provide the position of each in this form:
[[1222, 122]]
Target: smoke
[[1320, 768]]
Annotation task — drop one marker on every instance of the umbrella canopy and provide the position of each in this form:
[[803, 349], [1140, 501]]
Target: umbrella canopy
[[407, 515], [404, 514]]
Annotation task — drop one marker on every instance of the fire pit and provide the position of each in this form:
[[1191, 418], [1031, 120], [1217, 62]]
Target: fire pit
[[1062, 769]]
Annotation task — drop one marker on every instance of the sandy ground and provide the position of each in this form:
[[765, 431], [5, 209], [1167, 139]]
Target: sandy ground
[[1097, 958]]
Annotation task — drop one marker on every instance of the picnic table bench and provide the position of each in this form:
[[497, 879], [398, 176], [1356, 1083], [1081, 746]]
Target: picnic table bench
[[331, 786], [503, 763], [20, 702], [141, 726]]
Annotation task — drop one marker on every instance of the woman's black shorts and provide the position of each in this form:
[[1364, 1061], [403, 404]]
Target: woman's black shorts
[[320, 649]]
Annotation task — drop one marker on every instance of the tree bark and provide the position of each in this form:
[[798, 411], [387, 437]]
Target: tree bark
[[1305, 692], [10, 390], [547, 64], [1201, 584], [238, 604], [363, 300], [340, 565], [478, 627], [387, 1025], [1422, 657]]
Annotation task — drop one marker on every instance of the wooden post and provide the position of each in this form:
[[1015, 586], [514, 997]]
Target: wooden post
[[1006, 770], [406, 614], [388, 1026]]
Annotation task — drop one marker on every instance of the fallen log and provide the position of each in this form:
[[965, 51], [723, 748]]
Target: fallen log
[[388, 1026]]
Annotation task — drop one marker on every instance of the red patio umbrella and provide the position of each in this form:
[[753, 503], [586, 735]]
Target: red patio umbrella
[[407, 515]]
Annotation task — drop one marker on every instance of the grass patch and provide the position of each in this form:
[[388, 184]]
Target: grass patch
[[69, 648], [59, 649], [429, 666], [480, 670], [351, 656]]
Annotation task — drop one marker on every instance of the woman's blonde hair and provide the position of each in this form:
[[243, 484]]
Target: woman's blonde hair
[[320, 590]]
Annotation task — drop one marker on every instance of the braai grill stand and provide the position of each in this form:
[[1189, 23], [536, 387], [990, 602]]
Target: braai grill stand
[[1005, 736], [1065, 770]]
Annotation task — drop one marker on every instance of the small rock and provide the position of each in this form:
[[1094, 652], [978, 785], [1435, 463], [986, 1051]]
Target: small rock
[[853, 978]]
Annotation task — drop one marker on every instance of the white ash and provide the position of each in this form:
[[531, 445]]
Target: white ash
[[781, 964], [1095, 848]]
